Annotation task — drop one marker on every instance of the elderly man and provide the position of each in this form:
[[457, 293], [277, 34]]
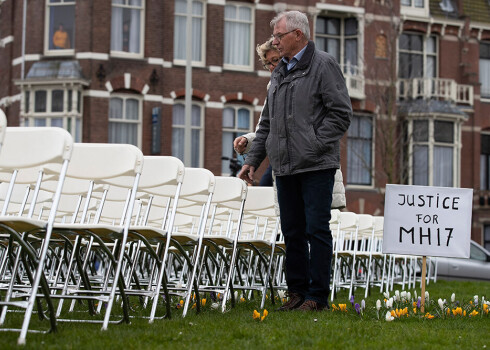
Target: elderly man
[[308, 111]]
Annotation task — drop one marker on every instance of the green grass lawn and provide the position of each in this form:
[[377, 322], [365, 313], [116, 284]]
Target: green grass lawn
[[279, 330]]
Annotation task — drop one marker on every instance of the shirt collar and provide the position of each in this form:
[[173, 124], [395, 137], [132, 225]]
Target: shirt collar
[[292, 62]]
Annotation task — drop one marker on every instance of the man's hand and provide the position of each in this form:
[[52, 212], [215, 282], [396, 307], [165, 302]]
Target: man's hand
[[240, 144], [247, 173]]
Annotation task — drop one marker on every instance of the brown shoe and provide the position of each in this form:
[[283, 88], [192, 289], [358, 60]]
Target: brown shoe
[[295, 300], [311, 305]]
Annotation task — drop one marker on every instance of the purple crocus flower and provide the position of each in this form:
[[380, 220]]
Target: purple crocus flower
[[352, 299], [419, 300], [358, 308]]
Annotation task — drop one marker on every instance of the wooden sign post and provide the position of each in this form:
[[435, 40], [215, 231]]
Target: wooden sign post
[[422, 296], [427, 221]]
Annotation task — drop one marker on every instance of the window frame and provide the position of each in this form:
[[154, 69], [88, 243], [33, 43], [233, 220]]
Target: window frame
[[412, 10], [425, 54], [48, 37], [124, 54], [372, 150], [250, 66], [203, 16], [29, 116], [139, 122], [236, 131], [431, 144], [342, 37], [355, 81], [483, 97], [200, 128]]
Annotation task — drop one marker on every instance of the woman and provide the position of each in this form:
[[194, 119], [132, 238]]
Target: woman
[[270, 58]]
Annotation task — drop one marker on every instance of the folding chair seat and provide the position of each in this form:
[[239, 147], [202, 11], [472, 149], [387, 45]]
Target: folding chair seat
[[27, 155]]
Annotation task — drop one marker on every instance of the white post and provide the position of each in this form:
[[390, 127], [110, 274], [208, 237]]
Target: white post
[[24, 20], [188, 87]]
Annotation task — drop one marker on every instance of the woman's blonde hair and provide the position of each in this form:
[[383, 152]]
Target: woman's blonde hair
[[262, 49]]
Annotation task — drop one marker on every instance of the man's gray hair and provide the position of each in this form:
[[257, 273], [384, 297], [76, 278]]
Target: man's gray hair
[[294, 20]]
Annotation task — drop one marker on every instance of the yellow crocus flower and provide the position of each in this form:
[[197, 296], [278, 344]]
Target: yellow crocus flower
[[474, 313], [256, 315]]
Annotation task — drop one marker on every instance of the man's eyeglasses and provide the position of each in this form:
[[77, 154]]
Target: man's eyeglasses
[[272, 62], [278, 37]]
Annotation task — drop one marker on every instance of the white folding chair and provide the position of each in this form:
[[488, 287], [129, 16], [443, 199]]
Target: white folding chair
[[259, 233], [27, 155], [228, 203], [115, 167]]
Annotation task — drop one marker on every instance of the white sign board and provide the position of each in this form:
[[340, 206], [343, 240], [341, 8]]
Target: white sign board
[[427, 221]]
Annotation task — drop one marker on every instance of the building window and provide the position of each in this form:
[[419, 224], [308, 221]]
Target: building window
[[237, 120], [360, 151], [57, 106], [60, 26], [178, 134], [485, 163], [238, 36], [485, 70], [413, 3], [125, 120], [180, 27], [434, 154], [338, 37], [127, 27], [418, 56], [415, 7]]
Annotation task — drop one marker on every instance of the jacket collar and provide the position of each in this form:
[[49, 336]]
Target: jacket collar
[[303, 63]]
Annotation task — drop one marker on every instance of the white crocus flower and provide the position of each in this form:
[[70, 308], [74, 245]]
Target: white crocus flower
[[453, 297], [409, 296], [427, 295], [387, 295], [441, 303], [378, 304], [389, 317], [476, 299], [363, 304], [397, 295]]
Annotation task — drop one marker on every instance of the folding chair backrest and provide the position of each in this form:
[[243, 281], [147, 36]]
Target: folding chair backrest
[[259, 198], [29, 147], [114, 168], [28, 153]]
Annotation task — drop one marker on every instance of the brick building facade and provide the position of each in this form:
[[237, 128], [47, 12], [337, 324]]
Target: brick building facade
[[416, 72]]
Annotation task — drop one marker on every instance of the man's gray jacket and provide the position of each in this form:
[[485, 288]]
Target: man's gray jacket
[[308, 110]]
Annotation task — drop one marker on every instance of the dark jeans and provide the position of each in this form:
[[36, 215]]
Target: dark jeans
[[266, 179], [305, 201]]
